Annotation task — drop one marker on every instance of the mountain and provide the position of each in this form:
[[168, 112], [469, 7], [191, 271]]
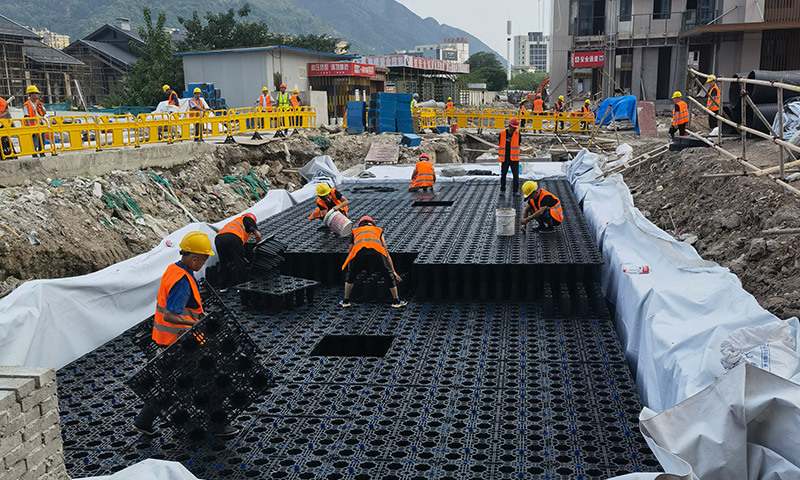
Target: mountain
[[371, 26]]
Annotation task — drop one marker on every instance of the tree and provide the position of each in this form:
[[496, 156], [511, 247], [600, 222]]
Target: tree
[[156, 66], [528, 81], [480, 60], [223, 30]]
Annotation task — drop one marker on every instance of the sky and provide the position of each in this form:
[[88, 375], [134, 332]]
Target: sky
[[487, 19]]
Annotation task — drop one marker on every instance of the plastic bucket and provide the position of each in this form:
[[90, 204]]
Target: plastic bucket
[[504, 220], [338, 223]]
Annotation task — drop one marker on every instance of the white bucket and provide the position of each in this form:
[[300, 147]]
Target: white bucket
[[505, 219], [338, 223]]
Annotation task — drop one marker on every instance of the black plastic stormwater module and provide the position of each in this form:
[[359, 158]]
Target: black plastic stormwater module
[[353, 346], [432, 203]]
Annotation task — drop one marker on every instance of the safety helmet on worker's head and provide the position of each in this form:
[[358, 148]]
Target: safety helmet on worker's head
[[32, 89], [365, 219], [561, 97], [196, 242], [197, 90], [323, 189], [514, 122], [283, 85], [449, 98], [251, 216], [422, 157], [529, 187], [165, 87], [416, 95], [295, 91], [264, 89], [711, 78], [677, 94], [587, 101]]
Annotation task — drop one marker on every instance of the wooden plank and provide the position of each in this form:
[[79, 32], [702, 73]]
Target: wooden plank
[[479, 139], [383, 153]]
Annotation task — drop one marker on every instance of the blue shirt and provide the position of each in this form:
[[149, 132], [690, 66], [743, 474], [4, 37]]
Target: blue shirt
[[180, 293]]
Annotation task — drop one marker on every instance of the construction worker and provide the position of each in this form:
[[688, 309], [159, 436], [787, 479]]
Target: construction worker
[[296, 104], [523, 111], [538, 104], [414, 99], [586, 111], [508, 154], [178, 308], [328, 199], [230, 241], [680, 116], [423, 176], [368, 252], [5, 115], [558, 108], [414, 114], [283, 105], [542, 206], [264, 102], [449, 105], [33, 108], [172, 98], [713, 101], [197, 108]]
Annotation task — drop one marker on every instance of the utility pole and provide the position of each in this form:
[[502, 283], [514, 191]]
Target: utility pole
[[508, 57]]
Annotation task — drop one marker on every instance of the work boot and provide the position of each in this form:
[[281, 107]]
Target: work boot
[[397, 303], [227, 432], [345, 303]]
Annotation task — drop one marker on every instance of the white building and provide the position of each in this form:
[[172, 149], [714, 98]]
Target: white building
[[451, 49], [532, 50]]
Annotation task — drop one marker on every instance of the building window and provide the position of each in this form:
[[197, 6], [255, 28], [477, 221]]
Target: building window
[[662, 9], [625, 10]]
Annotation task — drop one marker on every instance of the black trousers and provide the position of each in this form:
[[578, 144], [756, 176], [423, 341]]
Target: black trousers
[[712, 121], [514, 166], [681, 128], [233, 265], [369, 260]]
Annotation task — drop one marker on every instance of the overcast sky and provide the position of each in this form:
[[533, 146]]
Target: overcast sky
[[487, 19]]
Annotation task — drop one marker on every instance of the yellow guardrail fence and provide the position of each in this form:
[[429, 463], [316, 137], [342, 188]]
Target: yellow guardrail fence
[[53, 135], [498, 119]]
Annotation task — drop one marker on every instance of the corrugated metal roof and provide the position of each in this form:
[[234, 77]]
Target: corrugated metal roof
[[110, 50], [129, 33], [14, 29], [266, 49], [39, 52]]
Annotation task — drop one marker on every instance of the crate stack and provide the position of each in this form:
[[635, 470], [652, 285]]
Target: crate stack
[[212, 95], [355, 117], [382, 112], [404, 121]]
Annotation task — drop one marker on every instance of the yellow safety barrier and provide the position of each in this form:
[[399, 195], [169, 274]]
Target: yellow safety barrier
[[243, 120], [215, 124], [77, 132], [26, 137], [305, 117], [153, 128], [185, 126], [117, 131]]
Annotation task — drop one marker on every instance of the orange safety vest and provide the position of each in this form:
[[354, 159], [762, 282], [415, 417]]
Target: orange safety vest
[[322, 207], [3, 106], [538, 105], [425, 175], [585, 109], [682, 115], [713, 101], [236, 227], [265, 101], [33, 111], [173, 99], [448, 106], [165, 333], [295, 100], [195, 103], [555, 212], [366, 237], [559, 106], [501, 153], [522, 110]]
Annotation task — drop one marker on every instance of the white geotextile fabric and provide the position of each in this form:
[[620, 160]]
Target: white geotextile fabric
[[53, 322], [150, 470], [394, 173]]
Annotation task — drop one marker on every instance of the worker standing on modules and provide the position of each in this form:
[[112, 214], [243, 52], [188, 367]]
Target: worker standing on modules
[[508, 154]]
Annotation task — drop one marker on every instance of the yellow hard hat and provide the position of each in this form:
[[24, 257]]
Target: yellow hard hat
[[197, 242], [561, 97], [529, 187], [323, 189], [449, 98], [677, 95], [165, 87], [264, 89], [197, 90], [711, 78], [295, 91], [587, 101], [32, 89]]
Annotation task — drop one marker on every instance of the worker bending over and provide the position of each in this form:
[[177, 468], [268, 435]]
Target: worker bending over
[[542, 206], [714, 101], [328, 199], [680, 116], [368, 251], [508, 154], [233, 259], [423, 176], [178, 308]]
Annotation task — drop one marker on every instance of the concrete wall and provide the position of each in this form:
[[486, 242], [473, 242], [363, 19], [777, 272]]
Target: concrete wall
[[560, 44], [738, 53], [318, 100], [30, 444]]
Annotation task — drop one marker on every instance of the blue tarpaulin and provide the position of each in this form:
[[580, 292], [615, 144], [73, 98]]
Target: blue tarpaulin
[[622, 108]]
